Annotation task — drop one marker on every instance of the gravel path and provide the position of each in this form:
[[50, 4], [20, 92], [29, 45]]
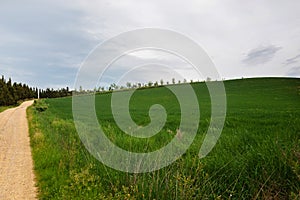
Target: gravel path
[[16, 165]]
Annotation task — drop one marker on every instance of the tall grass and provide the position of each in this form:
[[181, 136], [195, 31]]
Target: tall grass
[[256, 157]]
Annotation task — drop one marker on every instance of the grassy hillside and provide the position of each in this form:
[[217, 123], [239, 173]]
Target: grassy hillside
[[257, 155], [3, 108]]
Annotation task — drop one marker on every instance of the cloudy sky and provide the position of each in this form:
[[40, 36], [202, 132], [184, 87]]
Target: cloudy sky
[[43, 43]]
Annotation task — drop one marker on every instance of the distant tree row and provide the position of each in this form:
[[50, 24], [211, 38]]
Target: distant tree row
[[51, 93], [11, 93], [129, 85]]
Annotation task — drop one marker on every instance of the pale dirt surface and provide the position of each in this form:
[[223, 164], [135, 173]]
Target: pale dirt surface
[[16, 165]]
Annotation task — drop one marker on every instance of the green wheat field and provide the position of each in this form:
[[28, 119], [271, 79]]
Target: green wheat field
[[256, 157]]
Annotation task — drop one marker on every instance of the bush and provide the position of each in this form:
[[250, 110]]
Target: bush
[[40, 105]]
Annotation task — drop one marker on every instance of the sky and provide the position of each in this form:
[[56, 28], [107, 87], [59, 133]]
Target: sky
[[43, 43]]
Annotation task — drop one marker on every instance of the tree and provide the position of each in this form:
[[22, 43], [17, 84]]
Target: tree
[[112, 87], [11, 93], [128, 85], [161, 81], [173, 80]]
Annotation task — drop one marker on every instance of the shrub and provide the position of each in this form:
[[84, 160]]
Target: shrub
[[40, 105]]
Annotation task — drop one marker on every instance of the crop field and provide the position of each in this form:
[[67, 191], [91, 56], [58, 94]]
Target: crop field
[[256, 157]]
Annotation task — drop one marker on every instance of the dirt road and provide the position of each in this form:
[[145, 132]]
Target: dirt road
[[16, 166]]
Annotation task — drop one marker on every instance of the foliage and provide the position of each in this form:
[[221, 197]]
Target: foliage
[[51, 93], [256, 157], [40, 105], [11, 93]]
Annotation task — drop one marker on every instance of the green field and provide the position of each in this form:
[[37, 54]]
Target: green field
[[256, 157]]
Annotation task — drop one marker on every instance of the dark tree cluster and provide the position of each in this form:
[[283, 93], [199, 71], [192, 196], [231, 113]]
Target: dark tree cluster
[[51, 93], [11, 93]]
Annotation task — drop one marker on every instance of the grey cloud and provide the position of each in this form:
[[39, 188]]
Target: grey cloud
[[44, 38], [294, 71], [50, 38], [261, 55], [292, 60]]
